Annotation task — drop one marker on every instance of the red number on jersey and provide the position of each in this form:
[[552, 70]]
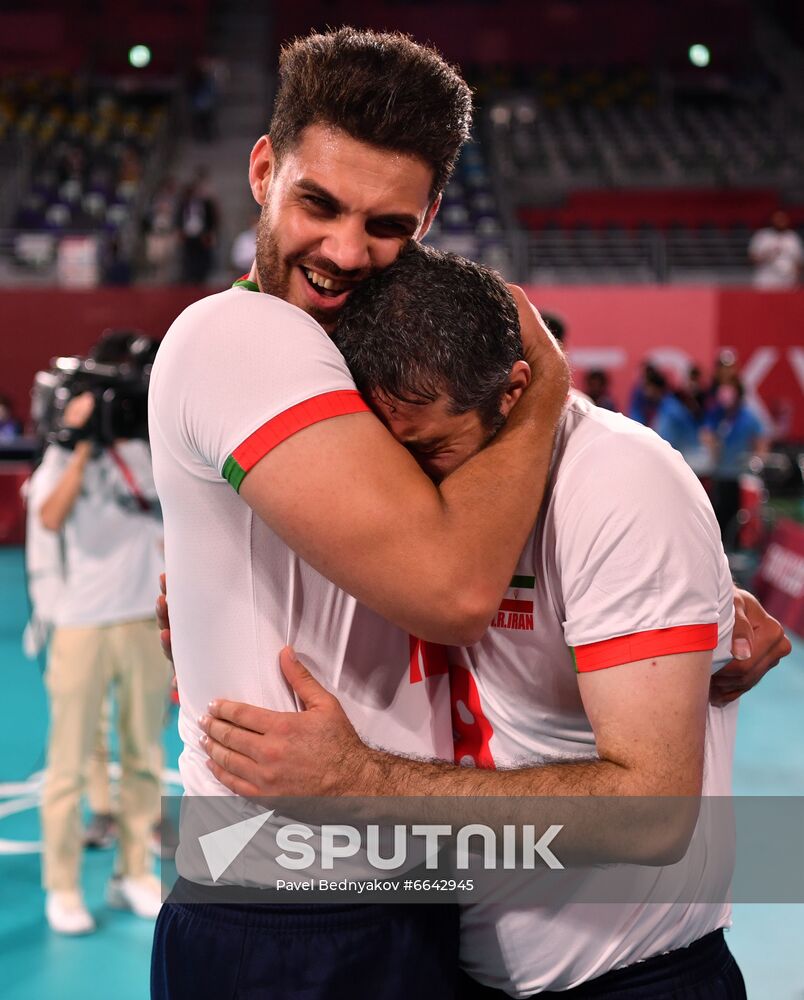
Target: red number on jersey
[[472, 731], [427, 659]]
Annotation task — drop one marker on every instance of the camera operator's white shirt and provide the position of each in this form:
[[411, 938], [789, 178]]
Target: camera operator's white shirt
[[112, 549], [625, 563], [237, 373]]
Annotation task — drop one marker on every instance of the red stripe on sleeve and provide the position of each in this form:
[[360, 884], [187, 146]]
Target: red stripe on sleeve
[[643, 645], [287, 423]]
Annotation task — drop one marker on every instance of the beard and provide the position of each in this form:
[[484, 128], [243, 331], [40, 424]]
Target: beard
[[274, 276], [274, 270]]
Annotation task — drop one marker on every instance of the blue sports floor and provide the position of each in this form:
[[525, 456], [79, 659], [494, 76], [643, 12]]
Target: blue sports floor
[[36, 964]]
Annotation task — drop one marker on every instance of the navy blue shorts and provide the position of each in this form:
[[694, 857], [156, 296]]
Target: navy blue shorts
[[706, 970], [213, 951]]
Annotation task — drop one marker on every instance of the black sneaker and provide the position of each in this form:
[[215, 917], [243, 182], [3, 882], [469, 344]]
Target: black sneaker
[[101, 831]]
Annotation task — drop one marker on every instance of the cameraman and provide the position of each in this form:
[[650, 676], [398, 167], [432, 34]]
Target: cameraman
[[100, 496]]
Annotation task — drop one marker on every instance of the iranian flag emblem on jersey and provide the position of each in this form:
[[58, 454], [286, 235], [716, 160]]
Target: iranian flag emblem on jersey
[[516, 610]]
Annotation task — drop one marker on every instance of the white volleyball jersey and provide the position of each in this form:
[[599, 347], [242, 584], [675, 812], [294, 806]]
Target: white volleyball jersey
[[237, 373], [625, 562]]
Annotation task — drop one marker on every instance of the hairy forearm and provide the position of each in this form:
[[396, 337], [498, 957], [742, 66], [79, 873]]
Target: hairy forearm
[[56, 509], [386, 774], [609, 813]]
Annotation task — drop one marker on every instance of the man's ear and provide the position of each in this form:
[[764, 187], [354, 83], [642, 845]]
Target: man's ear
[[261, 168], [518, 380], [428, 218]]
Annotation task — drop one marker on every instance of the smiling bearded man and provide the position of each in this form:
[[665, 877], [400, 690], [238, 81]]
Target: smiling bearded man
[[275, 478]]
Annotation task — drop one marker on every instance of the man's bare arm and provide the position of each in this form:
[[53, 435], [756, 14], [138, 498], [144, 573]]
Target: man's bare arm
[[434, 560], [57, 507], [649, 720]]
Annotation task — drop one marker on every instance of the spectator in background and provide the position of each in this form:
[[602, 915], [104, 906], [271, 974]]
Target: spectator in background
[[161, 233], [654, 404], [10, 427], [725, 369], [596, 387], [647, 394], [115, 264], [678, 426], [203, 90], [198, 226], [244, 248], [694, 394], [777, 254], [130, 174], [681, 417], [733, 434]]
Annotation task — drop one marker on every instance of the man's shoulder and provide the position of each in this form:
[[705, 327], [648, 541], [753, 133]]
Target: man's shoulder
[[236, 335], [235, 310], [601, 450], [587, 426]]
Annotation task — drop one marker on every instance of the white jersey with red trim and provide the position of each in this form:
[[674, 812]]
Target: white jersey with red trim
[[237, 373], [625, 563]]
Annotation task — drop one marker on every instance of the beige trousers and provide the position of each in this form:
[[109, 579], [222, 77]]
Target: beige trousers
[[99, 789], [83, 663], [99, 792]]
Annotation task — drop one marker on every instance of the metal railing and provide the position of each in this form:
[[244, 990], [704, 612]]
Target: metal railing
[[550, 257], [571, 256]]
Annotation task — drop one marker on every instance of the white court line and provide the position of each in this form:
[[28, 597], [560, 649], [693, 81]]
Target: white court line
[[23, 795], [19, 846]]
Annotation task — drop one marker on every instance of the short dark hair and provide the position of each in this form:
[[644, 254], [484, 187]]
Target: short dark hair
[[432, 323], [380, 88]]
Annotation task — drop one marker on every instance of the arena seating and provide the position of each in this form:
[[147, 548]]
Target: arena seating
[[626, 174], [469, 220], [86, 147], [630, 128]]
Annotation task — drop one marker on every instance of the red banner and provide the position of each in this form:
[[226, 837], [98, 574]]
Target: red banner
[[766, 329], [779, 583], [617, 328]]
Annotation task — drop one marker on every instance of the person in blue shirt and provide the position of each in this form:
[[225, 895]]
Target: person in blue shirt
[[655, 405], [647, 395], [733, 434], [676, 424], [10, 427]]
